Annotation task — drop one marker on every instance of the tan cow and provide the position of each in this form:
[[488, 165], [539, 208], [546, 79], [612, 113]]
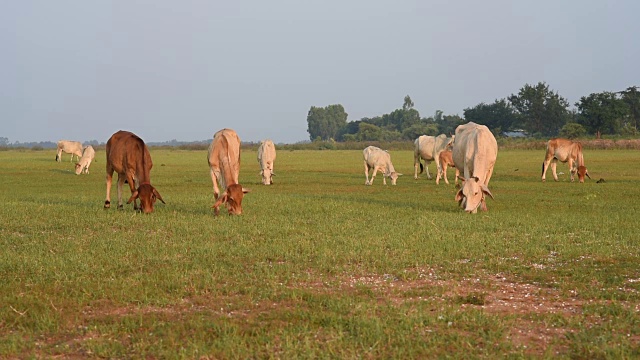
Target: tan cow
[[129, 156], [446, 160], [85, 161], [378, 160], [266, 158], [224, 164], [69, 147], [474, 154], [565, 150], [428, 148]]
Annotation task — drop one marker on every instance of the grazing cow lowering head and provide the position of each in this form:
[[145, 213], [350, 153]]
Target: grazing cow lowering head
[[224, 165], [129, 156], [147, 195], [582, 171], [566, 151], [471, 195], [474, 153], [232, 197]]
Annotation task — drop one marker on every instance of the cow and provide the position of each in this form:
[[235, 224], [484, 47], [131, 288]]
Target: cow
[[474, 154], [564, 150], [224, 164], [129, 156], [266, 158], [446, 160], [428, 148], [88, 153], [69, 147], [378, 160]]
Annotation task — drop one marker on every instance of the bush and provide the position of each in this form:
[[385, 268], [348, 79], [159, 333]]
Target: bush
[[572, 131]]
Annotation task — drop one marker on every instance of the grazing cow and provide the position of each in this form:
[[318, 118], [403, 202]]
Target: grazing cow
[[69, 147], [85, 161], [224, 164], [378, 160], [129, 156], [446, 160], [565, 150], [474, 154], [428, 148], [266, 158]]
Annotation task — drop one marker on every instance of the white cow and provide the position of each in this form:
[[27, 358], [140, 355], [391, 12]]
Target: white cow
[[475, 150], [85, 161], [378, 160], [69, 147], [224, 164], [428, 148], [266, 158]]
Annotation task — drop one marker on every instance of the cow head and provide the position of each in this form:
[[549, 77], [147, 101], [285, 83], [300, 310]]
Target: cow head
[[232, 197], [393, 176], [267, 176], [147, 195], [471, 194], [78, 169], [582, 171]]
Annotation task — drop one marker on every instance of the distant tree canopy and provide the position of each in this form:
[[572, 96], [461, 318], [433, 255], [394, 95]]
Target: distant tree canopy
[[537, 109], [326, 122]]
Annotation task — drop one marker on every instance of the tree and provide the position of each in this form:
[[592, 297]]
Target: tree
[[448, 123], [326, 122], [541, 110], [4, 141], [408, 104], [631, 97], [499, 116], [602, 112]]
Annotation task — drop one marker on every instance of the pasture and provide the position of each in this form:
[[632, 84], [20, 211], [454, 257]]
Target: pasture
[[320, 265]]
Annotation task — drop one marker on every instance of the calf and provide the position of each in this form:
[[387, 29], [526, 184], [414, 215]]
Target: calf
[[224, 164], [85, 161], [129, 156], [446, 160]]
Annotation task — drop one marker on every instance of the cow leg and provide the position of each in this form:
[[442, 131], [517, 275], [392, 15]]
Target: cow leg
[[133, 186], [214, 180], [373, 176], [571, 168], [58, 155], [366, 173], [416, 163], [554, 162], [444, 173], [545, 167], [426, 168], [107, 202], [120, 184]]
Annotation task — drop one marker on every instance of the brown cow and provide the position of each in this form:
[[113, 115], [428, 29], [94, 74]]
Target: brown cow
[[224, 164], [565, 150], [128, 155], [446, 160]]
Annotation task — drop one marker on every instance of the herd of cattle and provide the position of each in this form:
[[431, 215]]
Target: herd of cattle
[[472, 151]]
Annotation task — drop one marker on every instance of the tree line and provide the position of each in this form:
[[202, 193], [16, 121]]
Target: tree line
[[535, 109]]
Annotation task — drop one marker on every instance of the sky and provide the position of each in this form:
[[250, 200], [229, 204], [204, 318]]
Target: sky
[[164, 69]]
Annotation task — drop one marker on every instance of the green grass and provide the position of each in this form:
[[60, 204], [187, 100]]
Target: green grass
[[320, 265]]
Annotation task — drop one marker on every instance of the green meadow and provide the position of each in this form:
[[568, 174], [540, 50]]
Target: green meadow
[[320, 265]]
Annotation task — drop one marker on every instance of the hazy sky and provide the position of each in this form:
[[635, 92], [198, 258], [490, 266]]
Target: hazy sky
[[82, 70]]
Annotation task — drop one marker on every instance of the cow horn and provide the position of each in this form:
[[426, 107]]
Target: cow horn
[[461, 178], [245, 190]]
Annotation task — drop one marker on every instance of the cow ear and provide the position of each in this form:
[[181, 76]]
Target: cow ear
[[133, 197], [399, 174], [462, 178], [273, 174], [459, 196], [485, 190], [157, 194], [245, 190], [587, 173]]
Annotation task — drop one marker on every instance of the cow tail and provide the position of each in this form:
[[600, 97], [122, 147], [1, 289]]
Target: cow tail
[[421, 167], [542, 169]]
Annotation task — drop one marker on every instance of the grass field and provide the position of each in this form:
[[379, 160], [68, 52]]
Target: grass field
[[320, 265]]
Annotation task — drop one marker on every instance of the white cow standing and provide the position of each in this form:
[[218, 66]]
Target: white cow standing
[[378, 160], [88, 154], [428, 148], [69, 147], [475, 150], [266, 158]]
